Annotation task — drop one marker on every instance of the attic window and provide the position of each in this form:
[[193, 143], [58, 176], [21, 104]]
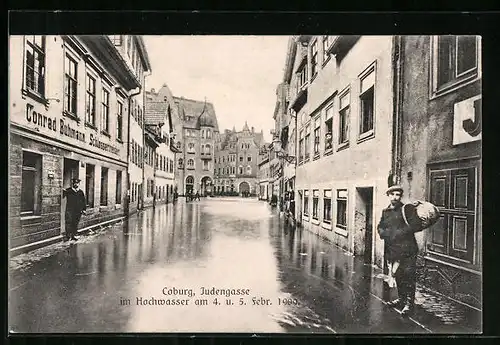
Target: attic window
[[165, 98]]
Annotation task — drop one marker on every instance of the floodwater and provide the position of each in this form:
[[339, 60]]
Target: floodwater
[[148, 274]]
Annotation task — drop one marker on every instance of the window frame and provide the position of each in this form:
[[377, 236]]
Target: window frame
[[343, 199], [37, 51], [315, 205], [325, 219], [367, 73], [459, 81], [305, 209], [119, 120], [317, 136], [37, 190], [105, 108], [90, 76], [344, 111], [313, 49], [329, 109], [70, 82]]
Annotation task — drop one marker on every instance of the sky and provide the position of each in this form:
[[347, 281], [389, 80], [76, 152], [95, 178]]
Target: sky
[[237, 74]]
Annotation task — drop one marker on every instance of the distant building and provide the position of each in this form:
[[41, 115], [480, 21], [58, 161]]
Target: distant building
[[161, 152], [236, 161], [196, 127], [264, 172], [69, 107]]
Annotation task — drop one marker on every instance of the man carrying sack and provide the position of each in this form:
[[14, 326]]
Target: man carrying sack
[[397, 227], [75, 207]]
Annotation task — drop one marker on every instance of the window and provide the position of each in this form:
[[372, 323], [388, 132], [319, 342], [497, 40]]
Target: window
[[116, 39], [118, 189], [327, 206], [327, 41], [457, 60], [104, 186], [249, 158], [249, 170], [314, 59], [70, 85], [241, 158], [315, 204], [191, 147], [329, 128], [209, 134], [89, 184], [203, 134], [306, 203], [35, 64], [317, 130], [367, 102], [342, 208], [31, 184], [205, 165], [105, 111], [307, 142], [180, 163], [90, 101], [344, 118], [454, 192], [119, 120], [302, 78], [190, 164], [208, 149], [301, 146], [240, 170]]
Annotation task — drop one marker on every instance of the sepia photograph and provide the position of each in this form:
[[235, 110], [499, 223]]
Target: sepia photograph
[[306, 184]]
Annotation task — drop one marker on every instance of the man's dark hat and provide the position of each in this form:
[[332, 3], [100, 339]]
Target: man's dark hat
[[73, 180], [394, 188]]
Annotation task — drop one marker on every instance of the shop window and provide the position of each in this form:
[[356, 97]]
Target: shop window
[[454, 192], [315, 204], [104, 186], [455, 60], [90, 184], [344, 119], [342, 208], [70, 85], [31, 184], [118, 195], [90, 101], [306, 203], [367, 104], [34, 64], [327, 206]]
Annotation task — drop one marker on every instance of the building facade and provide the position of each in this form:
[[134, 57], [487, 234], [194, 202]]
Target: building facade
[[69, 103], [161, 152], [440, 154], [134, 54], [236, 162], [264, 172], [196, 128], [341, 93]]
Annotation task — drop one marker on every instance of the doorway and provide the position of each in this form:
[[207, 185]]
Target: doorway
[[70, 171], [364, 224]]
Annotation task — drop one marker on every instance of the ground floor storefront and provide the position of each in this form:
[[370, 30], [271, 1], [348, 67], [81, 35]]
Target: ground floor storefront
[[40, 168]]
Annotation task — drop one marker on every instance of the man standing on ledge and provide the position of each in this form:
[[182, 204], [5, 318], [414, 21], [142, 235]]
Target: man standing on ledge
[[75, 207], [401, 246]]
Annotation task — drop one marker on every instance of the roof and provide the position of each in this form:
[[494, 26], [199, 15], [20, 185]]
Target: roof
[[143, 52], [190, 107], [155, 112]]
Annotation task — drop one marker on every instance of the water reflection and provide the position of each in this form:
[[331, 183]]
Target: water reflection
[[233, 244]]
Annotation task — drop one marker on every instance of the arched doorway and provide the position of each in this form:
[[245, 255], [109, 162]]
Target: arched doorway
[[189, 185], [244, 189], [206, 186]]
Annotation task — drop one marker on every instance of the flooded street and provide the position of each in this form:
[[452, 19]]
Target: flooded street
[[137, 275]]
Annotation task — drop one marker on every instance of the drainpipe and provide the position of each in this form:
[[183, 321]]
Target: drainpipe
[[130, 95], [397, 126]]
